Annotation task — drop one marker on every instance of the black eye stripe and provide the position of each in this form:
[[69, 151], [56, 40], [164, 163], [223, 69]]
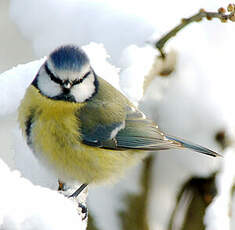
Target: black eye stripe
[[59, 81], [78, 81], [52, 76]]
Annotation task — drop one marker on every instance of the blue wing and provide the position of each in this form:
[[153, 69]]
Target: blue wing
[[130, 131], [106, 123]]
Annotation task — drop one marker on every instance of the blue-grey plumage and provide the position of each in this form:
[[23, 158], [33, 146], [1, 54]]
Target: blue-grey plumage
[[61, 58], [193, 146], [83, 127]]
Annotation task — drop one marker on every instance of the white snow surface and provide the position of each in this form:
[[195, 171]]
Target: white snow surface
[[25, 206], [134, 69], [13, 85], [195, 102]]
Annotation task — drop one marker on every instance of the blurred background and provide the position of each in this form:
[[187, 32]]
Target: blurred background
[[170, 189]]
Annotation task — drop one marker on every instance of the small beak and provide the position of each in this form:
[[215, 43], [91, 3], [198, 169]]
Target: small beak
[[67, 84]]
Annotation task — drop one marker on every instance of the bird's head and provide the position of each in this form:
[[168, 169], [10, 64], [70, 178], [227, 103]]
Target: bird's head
[[67, 75]]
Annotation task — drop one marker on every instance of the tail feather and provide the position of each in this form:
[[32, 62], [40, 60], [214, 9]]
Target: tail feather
[[194, 147]]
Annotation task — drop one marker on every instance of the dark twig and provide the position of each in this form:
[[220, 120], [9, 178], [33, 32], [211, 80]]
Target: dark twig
[[221, 14]]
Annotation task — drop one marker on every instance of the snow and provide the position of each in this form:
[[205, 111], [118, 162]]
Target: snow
[[219, 209], [78, 22], [195, 106], [17, 78], [100, 62], [194, 102], [26, 206], [135, 68]]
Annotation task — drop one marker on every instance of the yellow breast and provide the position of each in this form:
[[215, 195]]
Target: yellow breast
[[56, 141]]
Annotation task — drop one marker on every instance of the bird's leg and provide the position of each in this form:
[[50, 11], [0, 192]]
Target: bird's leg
[[80, 202], [78, 191], [84, 210], [61, 186]]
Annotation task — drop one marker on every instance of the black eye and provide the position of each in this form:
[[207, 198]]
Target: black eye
[[75, 82], [52, 76]]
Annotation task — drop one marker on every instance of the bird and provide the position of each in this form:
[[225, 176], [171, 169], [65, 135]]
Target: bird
[[84, 129]]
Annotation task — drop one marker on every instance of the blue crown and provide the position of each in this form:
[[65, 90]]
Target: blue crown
[[69, 57]]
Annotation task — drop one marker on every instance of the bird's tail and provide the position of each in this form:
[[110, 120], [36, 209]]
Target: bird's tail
[[180, 143]]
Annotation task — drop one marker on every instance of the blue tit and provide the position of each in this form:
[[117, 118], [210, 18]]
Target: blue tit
[[84, 129]]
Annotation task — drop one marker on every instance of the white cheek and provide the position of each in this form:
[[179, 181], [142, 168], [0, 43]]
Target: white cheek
[[48, 87], [84, 90]]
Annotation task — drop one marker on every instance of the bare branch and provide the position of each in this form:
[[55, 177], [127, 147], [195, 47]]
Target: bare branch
[[221, 14]]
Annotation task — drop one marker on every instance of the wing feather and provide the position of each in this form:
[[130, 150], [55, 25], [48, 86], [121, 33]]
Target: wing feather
[[106, 123], [131, 131]]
